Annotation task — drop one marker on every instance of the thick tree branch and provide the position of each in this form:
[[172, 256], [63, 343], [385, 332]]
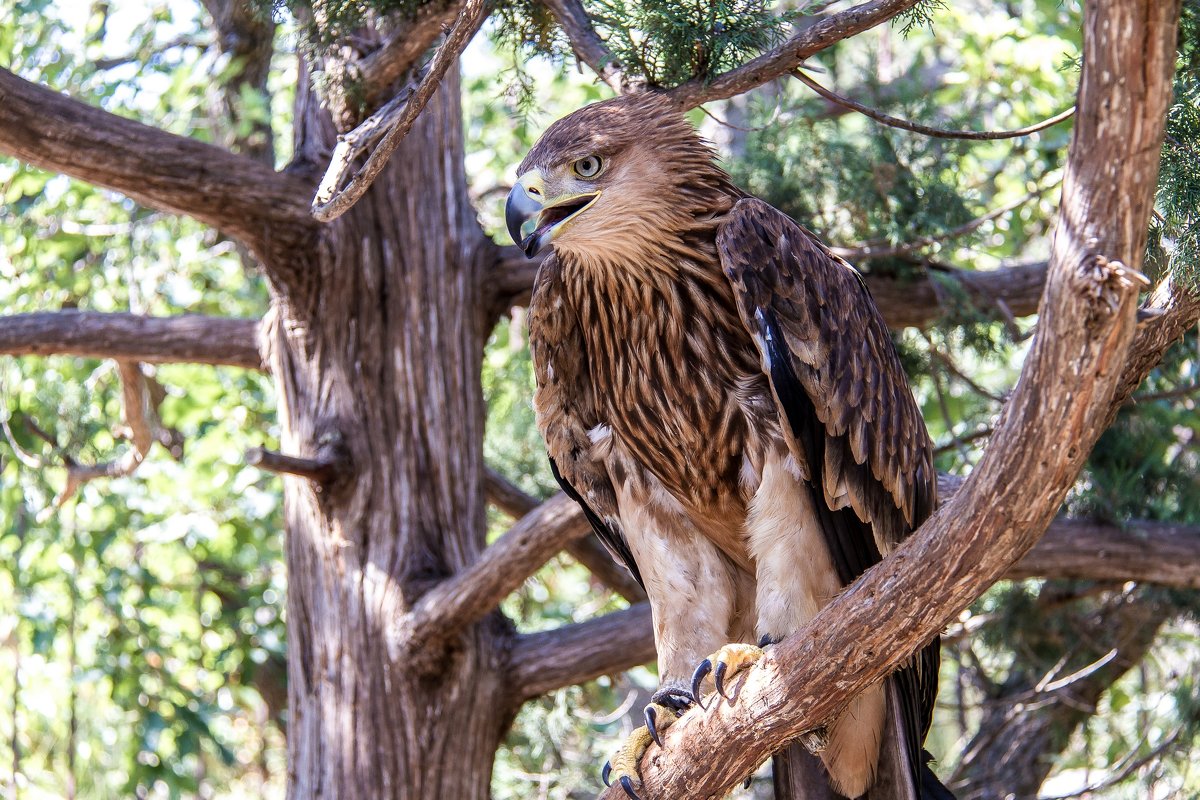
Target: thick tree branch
[[235, 194], [586, 549], [543, 662], [469, 595], [782, 60], [155, 340], [1066, 391], [917, 301], [588, 47]]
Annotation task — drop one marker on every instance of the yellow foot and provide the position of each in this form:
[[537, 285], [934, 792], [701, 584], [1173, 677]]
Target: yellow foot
[[623, 767], [725, 663]]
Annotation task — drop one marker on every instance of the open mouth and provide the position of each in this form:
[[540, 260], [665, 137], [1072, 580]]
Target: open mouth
[[554, 216]]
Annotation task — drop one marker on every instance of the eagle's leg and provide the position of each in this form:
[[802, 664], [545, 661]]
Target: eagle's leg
[[796, 577], [693, 594]]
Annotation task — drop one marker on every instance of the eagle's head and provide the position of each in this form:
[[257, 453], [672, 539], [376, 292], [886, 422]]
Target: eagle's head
[[614, 178]]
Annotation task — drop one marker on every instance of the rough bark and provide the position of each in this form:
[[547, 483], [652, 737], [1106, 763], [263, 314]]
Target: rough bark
[[378, 355], [235, 194], [1053, 419], [154, 340]]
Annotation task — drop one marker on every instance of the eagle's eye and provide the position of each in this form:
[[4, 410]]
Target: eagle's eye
[[588, 167]]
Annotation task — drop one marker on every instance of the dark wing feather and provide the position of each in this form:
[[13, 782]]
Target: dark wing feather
[[609, 535], [853, 422]]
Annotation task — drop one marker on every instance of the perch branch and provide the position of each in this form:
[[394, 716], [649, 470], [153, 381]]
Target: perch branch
[[1068, 385], [235, 194], [190, 338], [393, 121], [812, 39]]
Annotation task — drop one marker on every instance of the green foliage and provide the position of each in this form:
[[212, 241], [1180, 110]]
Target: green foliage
[[669, 42]]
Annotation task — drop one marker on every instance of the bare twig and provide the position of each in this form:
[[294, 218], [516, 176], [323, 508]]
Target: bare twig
[[881, 248], [317, 470], [925, 130], [542, 662], [396, 118]]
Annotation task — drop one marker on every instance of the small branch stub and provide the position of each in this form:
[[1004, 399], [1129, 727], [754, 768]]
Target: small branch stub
[[318, 470]]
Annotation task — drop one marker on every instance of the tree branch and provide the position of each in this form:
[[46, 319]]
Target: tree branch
[[403, 47], [824, 32], [912, 301], [542, 662], [1067, 388], [589, 48], [925, 130], [235, 194], [155, 340], [393, 122], [469, 595], [585, 549]]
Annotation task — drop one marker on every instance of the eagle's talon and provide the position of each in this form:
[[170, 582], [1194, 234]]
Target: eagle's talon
[[675, 698], [698, 677], [719, 679], [604, 773], [651, 723], [730, 660], [627, 785], [766, 640]]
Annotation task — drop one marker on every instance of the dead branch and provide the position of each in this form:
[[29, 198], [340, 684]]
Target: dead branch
[[905, 302], [586, 549], [153, 340], [589, 48], [393, 121], [543, 662], [1068, 385], [925, 130], [812, 39], [235, 194], [314, 469]]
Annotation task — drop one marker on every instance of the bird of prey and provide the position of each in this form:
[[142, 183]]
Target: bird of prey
[[721, 395]]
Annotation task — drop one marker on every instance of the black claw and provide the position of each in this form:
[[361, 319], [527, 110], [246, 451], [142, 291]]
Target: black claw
[[766, 640], [749, 780], [651, 724], [627, 785], [719, 678], [698, 678], [605, 772], [674, 698]]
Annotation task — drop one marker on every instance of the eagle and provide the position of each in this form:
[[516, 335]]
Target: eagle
[[720, 394]]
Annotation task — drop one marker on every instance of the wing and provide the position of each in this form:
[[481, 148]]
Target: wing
[[852, 419], [566, 411]]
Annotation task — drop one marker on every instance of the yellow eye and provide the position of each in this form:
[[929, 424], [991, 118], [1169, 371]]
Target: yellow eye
[[588, 167]]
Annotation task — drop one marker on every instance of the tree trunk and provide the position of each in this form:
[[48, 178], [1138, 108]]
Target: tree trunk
[[375, 346]]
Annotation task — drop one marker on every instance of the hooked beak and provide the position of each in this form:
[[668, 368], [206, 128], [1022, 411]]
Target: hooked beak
[[533, 220]]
